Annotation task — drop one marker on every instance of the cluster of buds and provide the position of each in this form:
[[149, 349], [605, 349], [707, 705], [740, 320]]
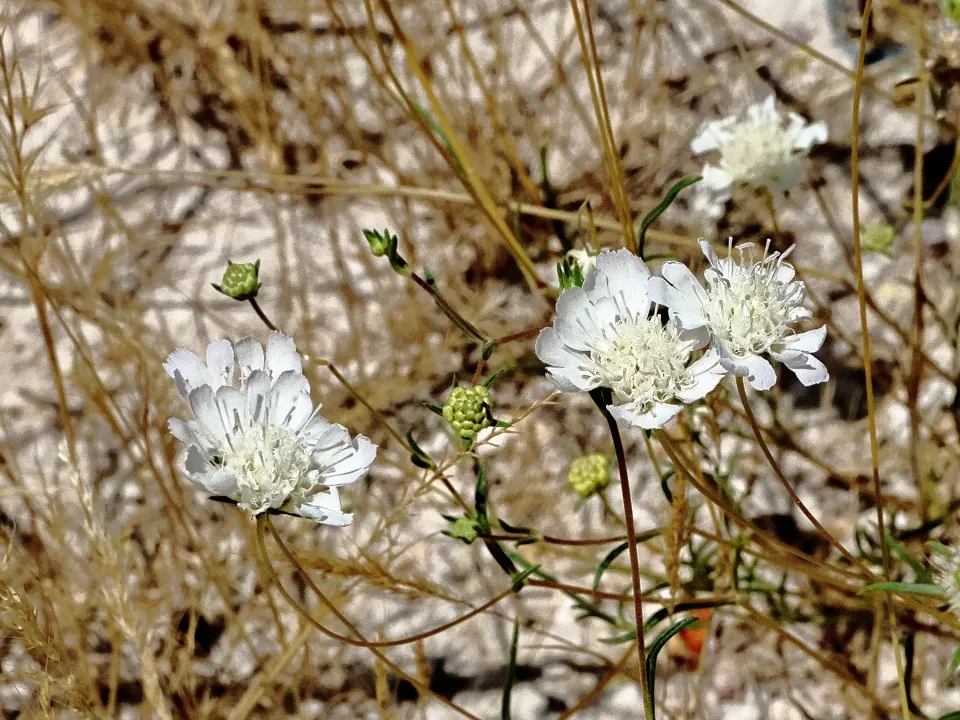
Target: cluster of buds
[[468, 412], [877, 238], [589, 474]]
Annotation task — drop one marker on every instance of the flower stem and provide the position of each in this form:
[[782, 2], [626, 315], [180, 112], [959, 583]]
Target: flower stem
[[456, 318], [601, 401], [751, 418], [261, 314]]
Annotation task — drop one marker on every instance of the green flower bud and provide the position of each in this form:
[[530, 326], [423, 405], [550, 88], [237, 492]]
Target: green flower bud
[[878, 237], [468, 412], [589, 474], [241, 281]]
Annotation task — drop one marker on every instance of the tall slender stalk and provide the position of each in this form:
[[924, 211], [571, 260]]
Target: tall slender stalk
[[601, 398]]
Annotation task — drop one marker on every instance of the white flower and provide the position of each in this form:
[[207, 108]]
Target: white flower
[[947, 575], [261, 442], [748, 307], [758, 150], [605, 337]]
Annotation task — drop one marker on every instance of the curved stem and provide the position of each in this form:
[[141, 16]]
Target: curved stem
[[632, 548], [261, 314], [786, 484], [330, 606]]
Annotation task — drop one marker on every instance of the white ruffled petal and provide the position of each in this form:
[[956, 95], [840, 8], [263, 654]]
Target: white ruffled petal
[[203, 402], [257, 390], [233, 403], [656, 417], [187, 371], [717, 181], [758, 371], [325, 508], [707, 373], [808, 342], [281, 355], [249, 356], [806, 367], [680, 292], [809, 136], [623, 276], [220, 362], [345, 464], [711, 136], [289, 399]]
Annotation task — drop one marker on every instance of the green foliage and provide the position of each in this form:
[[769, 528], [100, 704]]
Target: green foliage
[[667, 201], [569, 273], [385, 244]]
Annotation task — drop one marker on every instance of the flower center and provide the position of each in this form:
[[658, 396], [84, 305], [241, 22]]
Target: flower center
[[757, 151], [748, 309], [270, 463], [642, 361]]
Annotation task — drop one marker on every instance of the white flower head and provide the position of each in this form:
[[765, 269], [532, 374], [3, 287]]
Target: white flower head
[[947, 575], [748, 307], [604, 336], [757, 149], [255, 436]]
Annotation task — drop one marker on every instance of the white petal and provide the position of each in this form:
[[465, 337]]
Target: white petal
[[681, 292], [257, 390], [203, 402], [758, 371], [765, 111], [182, 432], [551, 350], [289, 396], [707, 373], [281, 355], [711, 135], [806, 367], [581, 320], [220, 362], [784, 273], [234, 406], [187, 371], [571, 379], [346, 464], [249, 356], [658, 416], [624, 277], [809, 341], [707, 250], [324, 508], [809, 136], [717, 180], [201, 472]]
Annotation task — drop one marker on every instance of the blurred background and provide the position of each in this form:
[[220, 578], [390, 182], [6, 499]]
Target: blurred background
[[147, 142]]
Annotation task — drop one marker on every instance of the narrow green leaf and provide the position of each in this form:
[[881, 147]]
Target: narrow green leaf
[[955, 715], [661, 208], [436, 409], [923, 575], [940, 549], [511, 671], [520, 577], [655, 649], [488, 348], [954, 664], [417, 456], [908, 588], [618, 550], [606, 562], [493, 378], [620, 639], [480, 499]]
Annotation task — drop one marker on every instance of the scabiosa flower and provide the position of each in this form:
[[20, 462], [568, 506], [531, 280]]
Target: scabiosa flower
[[946, 573], [757, 149], [604, 336], [260, 441], [748, 308]]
